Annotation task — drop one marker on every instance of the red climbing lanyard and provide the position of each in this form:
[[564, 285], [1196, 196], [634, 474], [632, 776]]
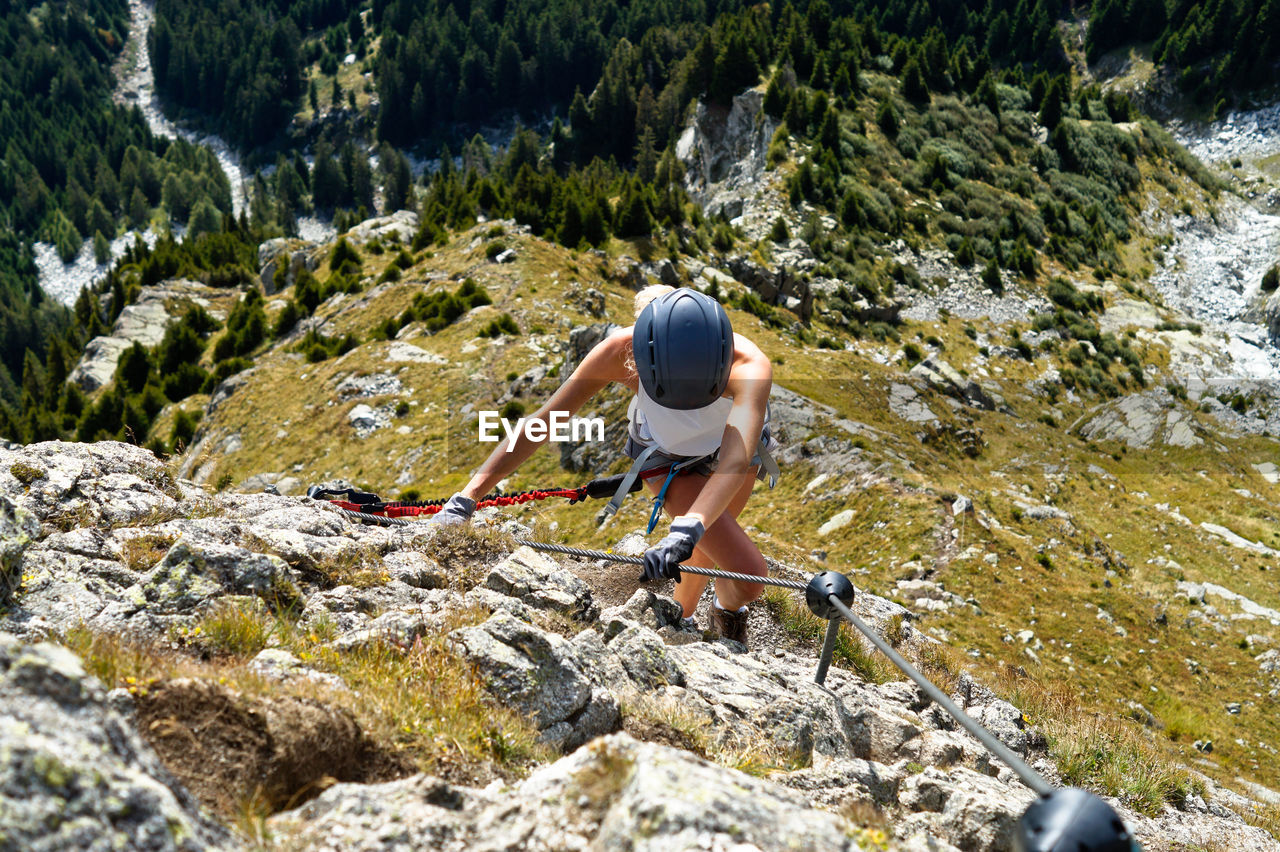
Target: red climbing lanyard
[[371, 504]]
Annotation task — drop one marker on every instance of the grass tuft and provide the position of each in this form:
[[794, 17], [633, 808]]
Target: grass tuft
[[423, 703], [141, 553], [1105, 754], [464, 551], [850, 653], [238, 628]]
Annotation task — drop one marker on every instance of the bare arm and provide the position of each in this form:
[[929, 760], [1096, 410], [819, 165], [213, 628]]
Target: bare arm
[[603, 364], [749, 383]]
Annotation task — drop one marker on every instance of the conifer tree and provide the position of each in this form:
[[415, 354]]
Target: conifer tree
[[829, 131], [571, 224], [595, 228], [987, 94], [775, 98], [134, 369], [646, 156], [887, 118], [327, 189], [1052, 107], [101, 248], [914, 87], [634, 217]]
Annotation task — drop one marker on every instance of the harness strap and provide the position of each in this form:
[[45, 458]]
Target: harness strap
[[662, 492], [625, 487], [629, 481], [768, 462]]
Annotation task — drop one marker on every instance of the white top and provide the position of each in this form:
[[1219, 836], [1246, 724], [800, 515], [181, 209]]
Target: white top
[[695, 432]]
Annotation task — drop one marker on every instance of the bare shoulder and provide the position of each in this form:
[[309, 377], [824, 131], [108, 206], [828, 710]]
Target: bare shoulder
[[752, 376], [608, 359], [750, 358]]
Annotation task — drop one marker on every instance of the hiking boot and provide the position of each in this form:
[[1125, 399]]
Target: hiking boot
[[729, 625]]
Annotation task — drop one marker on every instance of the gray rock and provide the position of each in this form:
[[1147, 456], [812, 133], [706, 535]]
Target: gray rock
[[19, 529], [363, 387], [724, 153], [582, 339], [962, 807], [838, 782], [540, 582], [421, 812], [667, 273], [193, 571], [997, 715], [400, 226], [643, 607], [76, 775], [365, 420], [279, 664], [297, 255], [601, 666], [775, 287], [143, 322], [838, 521], [400, 352], [644, 656], [535, 672], [615, 793], [97, 366], [945, 378], [905, 402], [1143, 419], [415, 569]]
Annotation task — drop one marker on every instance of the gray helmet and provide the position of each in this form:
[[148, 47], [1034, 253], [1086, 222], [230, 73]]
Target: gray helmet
[[1071, 820], [683, 347]]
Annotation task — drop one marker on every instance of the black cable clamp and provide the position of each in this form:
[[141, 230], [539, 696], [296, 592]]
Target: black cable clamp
[[818, 596]]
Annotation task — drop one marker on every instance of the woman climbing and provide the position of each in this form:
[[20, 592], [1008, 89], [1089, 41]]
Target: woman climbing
[[701, 408]]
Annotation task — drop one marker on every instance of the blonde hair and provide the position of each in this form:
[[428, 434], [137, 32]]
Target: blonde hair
[[648, 294]]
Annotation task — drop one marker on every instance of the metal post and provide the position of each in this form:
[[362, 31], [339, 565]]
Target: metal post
[[828, 649]]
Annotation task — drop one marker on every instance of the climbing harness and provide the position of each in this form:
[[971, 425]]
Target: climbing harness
[[628, 482], [1059, 820]]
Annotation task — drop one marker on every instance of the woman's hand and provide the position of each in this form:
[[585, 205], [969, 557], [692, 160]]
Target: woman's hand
[[662, 561], [456, 510]]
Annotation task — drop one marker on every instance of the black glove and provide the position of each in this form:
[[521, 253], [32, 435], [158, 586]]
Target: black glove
[[456, 510], [662, 561]]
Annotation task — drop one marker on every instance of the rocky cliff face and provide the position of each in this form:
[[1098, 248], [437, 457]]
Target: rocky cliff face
[[102, 540]]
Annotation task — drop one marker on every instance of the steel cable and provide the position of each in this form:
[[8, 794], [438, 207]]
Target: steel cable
[[1029, 776], [636, 560]]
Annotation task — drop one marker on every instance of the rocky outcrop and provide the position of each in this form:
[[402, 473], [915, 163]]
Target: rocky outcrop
[[724, 150], [399, 227], [76, 774], [1143, 419], [781, 287], [142, 322], [941, 376], [542, 675], [281, 260], [615, 793], [98, 364], [101, 537]]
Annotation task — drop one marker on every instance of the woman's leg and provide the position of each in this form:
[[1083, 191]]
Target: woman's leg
[[724, 544]]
